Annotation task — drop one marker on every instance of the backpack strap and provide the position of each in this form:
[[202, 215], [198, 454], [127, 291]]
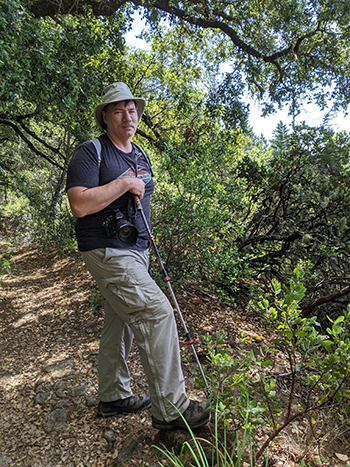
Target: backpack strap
[[139, 149], [97, 144]]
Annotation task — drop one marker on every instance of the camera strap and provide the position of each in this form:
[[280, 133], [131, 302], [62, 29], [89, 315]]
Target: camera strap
[[131, 207], [138, 149]]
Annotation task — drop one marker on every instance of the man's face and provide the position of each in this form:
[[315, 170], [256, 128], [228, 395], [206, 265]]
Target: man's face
[[121, 120]]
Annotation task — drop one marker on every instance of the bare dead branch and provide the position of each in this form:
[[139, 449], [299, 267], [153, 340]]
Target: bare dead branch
[[326, 299]]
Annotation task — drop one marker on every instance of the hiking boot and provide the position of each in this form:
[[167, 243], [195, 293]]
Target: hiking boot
[[132, 404], [196, 415]]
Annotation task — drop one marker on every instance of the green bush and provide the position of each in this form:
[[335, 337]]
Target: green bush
[[194, 213], [244, 386]]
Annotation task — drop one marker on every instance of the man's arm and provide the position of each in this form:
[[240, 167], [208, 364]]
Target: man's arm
[[84, 201]]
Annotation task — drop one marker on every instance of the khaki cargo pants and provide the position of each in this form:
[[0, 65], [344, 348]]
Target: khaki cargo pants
[[136, 306]]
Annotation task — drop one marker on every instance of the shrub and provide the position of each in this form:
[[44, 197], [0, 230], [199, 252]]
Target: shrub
[[244, 387]]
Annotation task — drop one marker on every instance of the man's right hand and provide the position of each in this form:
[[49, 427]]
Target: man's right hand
[[137, 187]]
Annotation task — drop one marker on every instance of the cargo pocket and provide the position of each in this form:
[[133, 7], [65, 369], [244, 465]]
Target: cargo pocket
[[120, 282], [128, 280], [130, 295], [152, 295]]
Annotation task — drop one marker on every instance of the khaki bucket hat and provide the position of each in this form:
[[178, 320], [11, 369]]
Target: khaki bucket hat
[[117, 92]]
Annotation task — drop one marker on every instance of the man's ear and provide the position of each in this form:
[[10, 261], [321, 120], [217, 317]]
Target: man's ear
[[103, 113]]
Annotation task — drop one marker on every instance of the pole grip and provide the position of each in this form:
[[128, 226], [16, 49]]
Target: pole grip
[[138, 203], [189, 339]]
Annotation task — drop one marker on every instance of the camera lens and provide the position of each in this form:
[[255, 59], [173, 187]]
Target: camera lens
[[127, 234]]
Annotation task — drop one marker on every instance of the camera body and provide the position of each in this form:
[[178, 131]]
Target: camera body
[[117, 226]]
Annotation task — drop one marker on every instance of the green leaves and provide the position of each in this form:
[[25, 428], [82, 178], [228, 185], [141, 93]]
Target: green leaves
[[336, 329], [46, 63], [233, 387], [50, 76], [296, 294], [245, 387], [286, 51]]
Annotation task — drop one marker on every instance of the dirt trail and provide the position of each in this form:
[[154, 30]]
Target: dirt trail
[[50, 322]]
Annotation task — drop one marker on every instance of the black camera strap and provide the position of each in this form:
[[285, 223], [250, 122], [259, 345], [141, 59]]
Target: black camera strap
[[139, 151]]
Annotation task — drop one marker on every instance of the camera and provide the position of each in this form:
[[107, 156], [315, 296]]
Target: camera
[[117, 226]]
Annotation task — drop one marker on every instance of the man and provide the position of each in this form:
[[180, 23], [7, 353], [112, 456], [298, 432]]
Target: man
[[98, 192]]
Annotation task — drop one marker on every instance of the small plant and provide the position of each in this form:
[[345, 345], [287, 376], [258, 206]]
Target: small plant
[[220, 452], [68, 245], [5, 268], [96, 301], [244, 386], [233, 385]]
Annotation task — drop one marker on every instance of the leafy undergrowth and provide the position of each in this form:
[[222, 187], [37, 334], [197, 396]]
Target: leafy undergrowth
[[51, 318]]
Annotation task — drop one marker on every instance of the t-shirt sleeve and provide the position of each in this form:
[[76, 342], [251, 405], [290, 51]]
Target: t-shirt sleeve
[[83, 169]]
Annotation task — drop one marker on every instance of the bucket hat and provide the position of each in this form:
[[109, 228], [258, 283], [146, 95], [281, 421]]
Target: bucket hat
[[117, 92]]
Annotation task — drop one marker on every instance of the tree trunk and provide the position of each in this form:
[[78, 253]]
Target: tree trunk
[[57, 195]]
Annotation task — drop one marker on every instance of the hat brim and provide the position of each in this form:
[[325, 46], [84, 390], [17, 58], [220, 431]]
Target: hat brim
[[141, 104]]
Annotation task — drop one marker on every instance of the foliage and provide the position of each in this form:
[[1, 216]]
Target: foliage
[[298, 208], [227, 210], [244, 386], [5, 268], [224, 452], [174, 80], [225, 104], [44, 68], [195, 207], [281, 141], [288, 51], [48, 81]]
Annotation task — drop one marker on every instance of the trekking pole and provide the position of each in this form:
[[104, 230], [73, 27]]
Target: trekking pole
[[166, 279]]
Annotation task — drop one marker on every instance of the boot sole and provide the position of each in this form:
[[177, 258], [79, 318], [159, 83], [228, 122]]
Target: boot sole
[[178, 425]]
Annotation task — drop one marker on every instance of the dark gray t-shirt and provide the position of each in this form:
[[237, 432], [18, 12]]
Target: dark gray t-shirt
[[84, 171]]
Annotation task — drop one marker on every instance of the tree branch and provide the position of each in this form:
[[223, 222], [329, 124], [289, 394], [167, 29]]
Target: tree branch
[[214, 19], [37, 138], [268, 238], [326, 299], [30, 144]]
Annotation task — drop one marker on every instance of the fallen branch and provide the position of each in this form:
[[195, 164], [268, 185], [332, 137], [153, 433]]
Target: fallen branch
[[326, 299]]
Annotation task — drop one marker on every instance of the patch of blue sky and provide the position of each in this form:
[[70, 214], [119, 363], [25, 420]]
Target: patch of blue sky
[[310, 113]]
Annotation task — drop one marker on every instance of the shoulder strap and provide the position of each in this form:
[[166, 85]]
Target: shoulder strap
[[144, 153], [97, 144]]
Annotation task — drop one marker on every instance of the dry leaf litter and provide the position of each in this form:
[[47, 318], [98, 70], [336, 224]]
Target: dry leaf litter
[[50, 325]]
